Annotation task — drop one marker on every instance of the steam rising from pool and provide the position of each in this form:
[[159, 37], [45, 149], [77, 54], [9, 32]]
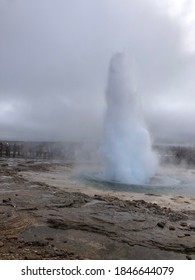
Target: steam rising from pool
[[126, 150]]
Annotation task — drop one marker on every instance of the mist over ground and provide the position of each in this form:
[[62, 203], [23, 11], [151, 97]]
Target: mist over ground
[[54, 61]]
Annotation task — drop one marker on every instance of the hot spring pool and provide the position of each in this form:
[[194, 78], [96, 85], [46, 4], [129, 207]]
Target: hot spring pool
[[168, 181]]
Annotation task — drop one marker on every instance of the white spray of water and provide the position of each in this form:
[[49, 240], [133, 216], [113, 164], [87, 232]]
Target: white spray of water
[[127, 150]]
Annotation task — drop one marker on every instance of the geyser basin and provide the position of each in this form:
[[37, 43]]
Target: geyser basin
[[169, 180], [126, 150]]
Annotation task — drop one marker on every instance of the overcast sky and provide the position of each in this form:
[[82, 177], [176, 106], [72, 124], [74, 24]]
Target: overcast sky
[[54, 57]]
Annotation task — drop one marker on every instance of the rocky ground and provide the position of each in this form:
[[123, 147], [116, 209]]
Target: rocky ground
[[40, 220]]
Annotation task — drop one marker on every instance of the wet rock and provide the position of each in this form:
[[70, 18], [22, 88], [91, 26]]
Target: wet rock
[[161, 224], [106, 222]]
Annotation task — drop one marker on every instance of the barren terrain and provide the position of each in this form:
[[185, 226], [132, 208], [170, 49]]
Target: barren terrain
[[46, 213]]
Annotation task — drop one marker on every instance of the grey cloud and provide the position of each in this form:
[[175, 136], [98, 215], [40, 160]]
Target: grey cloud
[[54, 60]]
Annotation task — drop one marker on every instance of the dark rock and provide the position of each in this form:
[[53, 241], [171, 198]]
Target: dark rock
[[192, 227], [188, 258], [12, 238], [181, 236], [171, 228], [189, 249], [183, 224], [4, 165], [177, 216], [60, 253], [5, 200], [56, 223], [37, 243], [161, 224], [11, 251], [49, 238]]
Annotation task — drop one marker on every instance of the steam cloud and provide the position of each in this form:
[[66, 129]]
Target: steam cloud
[[127, 152]]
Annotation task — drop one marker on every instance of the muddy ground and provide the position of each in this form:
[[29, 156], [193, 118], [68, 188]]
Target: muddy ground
[[41, 218]]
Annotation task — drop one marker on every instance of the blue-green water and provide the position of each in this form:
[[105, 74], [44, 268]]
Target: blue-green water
[[178, 181]]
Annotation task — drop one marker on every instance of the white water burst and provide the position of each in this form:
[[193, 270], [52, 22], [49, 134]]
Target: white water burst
[[127, 150]]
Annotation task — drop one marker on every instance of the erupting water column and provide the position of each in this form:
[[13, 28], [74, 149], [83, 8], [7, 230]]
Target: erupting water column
[[127, 150]]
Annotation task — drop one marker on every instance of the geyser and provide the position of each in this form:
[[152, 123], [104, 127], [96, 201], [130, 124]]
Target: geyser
[[127, 150]]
